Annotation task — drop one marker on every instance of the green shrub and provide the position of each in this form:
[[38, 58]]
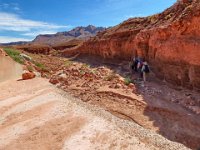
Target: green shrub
[[86, 66], [14, 54], [30, 68], [68, 63], [82, 72], [127, 80], [39, 65], [93, 71]]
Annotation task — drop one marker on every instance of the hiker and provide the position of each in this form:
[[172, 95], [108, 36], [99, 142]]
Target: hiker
[[135, 63], [131, 67], [145, 70], [139, 66]]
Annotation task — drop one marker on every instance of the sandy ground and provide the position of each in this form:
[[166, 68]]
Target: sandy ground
[[36, 115], [9, 69]]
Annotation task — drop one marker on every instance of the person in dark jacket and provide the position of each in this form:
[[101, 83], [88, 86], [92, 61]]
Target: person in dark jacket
[[145, 70]]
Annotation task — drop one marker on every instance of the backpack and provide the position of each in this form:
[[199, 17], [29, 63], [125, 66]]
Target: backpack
[[146, 69], [140, 65]]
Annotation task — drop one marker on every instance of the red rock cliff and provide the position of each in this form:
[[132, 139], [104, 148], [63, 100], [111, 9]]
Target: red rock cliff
[[170, 41]]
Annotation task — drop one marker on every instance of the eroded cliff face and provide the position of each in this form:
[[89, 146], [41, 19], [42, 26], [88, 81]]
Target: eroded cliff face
[[173, 47], [170, 41]]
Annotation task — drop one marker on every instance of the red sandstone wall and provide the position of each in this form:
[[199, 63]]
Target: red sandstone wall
[[170, 41]]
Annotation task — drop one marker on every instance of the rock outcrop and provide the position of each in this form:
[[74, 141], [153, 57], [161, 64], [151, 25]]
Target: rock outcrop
[[28, 75], [35, 48], [170, 41]]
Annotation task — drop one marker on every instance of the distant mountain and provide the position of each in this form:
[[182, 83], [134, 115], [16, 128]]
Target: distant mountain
[[80, 33], [14, 43]]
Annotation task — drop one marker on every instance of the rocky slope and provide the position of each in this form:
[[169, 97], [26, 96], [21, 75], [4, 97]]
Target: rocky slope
[[61, 37], [169, 41]]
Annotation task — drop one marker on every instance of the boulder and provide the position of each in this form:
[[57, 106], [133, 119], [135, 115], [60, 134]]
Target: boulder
[[28, 58], [195, 109], [54, 80], [28, 75]]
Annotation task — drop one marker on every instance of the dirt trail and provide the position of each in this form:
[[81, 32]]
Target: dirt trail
[[36, 115], [9, 69]]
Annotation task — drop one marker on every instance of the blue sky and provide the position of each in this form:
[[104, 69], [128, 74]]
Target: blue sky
[[24, 19]]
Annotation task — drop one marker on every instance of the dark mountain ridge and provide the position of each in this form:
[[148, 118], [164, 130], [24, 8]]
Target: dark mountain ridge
[[82, 33]]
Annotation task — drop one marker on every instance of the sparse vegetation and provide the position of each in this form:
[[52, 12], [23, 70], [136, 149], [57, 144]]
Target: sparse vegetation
[[86, 66], [82, 72], [30, 68], [110, 77], [127, 80], [94, 71], [39, 65], [68, 63], [14, 54]]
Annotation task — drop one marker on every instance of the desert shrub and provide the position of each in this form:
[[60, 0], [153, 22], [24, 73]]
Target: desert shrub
[[127, 81], [93, 71], [82, 72], [30, 68], [39, 65], [14, 54], [86, 66], [68, 63], [110, 77]]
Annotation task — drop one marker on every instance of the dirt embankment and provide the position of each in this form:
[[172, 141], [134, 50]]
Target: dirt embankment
[[39, 116]]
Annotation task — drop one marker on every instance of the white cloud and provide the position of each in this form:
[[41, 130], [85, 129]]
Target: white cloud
[[7, 39], [13, 22], [35, 33]]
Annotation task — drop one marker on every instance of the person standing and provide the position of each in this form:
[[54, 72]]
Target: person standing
[[139, 66], [135, 63], [145, 70]]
